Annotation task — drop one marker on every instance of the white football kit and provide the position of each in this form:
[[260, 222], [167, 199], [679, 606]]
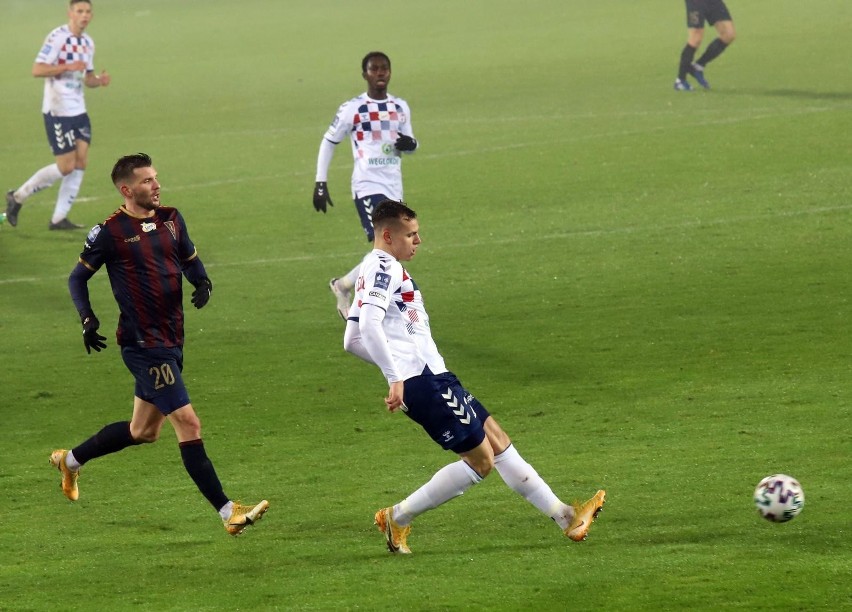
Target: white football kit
[[373, 127], [63, 94], [388, 324]]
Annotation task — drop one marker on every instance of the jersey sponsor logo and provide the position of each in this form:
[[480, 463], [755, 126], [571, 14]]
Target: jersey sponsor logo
[[377, 294], [148, 227], [135, 238], [382, 161], [46, 49], [387, 148], [92, 235], [382, 280]]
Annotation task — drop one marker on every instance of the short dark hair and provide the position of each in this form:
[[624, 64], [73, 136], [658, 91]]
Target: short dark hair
[[73, 2], [124, 167], [370, 56], [388, 211]]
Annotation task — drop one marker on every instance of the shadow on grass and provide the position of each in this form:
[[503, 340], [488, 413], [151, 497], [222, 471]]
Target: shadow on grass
[[797, 94]]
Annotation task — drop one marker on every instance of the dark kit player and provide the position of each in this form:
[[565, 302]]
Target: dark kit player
[[146, 250], [716, 14]]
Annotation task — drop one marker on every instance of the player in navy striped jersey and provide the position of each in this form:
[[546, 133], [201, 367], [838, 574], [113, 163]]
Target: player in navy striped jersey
[[66, 63], [147, 251], [388, 326], [379, 126]]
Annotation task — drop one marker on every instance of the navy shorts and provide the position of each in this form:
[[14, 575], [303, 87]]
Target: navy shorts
[[158, 376], [711, 11], [365, 205], [64, 132], [450, 415]]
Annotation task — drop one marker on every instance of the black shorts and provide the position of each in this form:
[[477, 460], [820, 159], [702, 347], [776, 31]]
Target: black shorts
[[711, 11], [365, 205], [158, 376], [445, 410], [64, 132]]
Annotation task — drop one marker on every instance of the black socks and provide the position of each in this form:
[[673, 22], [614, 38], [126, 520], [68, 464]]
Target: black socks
[[110, 439], [200, 469]]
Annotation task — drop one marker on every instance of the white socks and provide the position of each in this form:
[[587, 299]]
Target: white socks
[[522, 478], [450, 481], [351, 277], [71, 463], [348, 280], [68, 191], [42, 179], [225, 511]]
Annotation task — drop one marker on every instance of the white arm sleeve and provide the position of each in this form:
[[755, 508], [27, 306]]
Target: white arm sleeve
[[375, 341], [326, 152], [352, 342]]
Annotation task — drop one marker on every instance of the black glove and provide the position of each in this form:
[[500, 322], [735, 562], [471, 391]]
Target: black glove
[[91, 338], [202, 292], [321, 197], [405, 143]]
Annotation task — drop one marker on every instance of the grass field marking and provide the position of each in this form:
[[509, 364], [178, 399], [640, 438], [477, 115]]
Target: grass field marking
[[342, 164], [750, 114], [507, 240]]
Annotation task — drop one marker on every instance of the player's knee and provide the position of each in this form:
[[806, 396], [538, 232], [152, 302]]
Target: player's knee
[[482, 465], [65, 167], [145, 436]]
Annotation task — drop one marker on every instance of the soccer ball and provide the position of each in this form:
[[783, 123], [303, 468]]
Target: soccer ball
[[779, 498]]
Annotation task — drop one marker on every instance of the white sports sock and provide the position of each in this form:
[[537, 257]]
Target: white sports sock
[[71, 462], [450, 481], [68, 191], [351, 277], [225, 511], [522, 478], [42, 179]]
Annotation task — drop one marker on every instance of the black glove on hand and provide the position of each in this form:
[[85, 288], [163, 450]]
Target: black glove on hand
[[405, 143], [91, 338], [202, 292], [321, 197]]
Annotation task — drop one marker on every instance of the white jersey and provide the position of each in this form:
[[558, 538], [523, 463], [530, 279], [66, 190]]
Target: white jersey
[[384, 283], [373, 127], [63, 94]]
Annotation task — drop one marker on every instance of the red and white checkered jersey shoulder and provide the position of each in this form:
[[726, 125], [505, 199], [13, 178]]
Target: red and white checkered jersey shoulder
[[63, 46], [384, 282]]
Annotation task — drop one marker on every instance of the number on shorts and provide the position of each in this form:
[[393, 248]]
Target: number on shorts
[[162, 376]]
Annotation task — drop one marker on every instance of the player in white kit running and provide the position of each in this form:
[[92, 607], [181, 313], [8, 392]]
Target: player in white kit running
[[66, 63], [379, 127]]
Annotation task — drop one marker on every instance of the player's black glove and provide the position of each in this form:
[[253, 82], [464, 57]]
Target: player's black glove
[[321, 197], [405, 143], [202, 292], [91, 338]]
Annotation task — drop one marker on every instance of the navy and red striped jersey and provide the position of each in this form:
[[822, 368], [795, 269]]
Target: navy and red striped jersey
[[144, 258]]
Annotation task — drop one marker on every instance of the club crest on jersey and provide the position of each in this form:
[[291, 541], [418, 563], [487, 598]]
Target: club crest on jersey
[[148, 227], [382, 280], [170, 225]]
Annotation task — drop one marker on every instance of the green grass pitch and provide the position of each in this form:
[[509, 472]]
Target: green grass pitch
[[649, 289]]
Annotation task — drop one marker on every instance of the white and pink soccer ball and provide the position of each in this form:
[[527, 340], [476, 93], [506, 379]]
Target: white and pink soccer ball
[[779, 498]]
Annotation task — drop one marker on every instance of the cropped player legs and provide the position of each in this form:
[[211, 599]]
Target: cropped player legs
[[72, 166], [726, 35]]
